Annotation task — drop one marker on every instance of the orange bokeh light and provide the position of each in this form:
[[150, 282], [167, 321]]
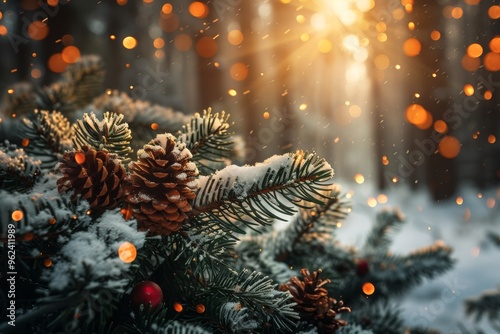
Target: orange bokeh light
[[472, 2], [457, 12], [440, 126], [206, 47], [238, 71], [56, 63], [449, 147], [416, 114], [129, 42], [178, 307], [198, 9], [3, 30], [235, 37], [474, 50], [494, 12], [492, 139], [435, 35], [468, 90], [159, 43], [70, 54], [17, 215], [38, 30], [428, 122], [127, 252], [492, 61], [183, 42], [368, 289], [166, 8], [470, 64], [79, 158], [488, 95], [495, 44], [412, 47]]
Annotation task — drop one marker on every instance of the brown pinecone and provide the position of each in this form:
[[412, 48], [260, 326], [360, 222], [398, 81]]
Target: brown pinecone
[[94, 175], [160, 184], [313, 303]]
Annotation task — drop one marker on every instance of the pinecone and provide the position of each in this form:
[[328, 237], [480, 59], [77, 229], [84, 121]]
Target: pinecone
[[94, 175], [313, 303], [160, 185]]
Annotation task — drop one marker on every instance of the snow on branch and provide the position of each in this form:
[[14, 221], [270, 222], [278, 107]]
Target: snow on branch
[[90, 261], [208, 139], [264, 192], [378, 240]]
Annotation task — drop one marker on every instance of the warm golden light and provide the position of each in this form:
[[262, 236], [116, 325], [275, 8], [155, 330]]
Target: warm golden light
[[412, 47], [435, 35], [70, 54], [56, 63], [492, 61], [159, 43], [440, 126], [3, 30], [238, 71], [385, 160], [470, 64], [474, 50], [79, 157], [494, 12], [17, 215], [492, 139], [265, 115], [411, 25], [495, 44], [468, 90], [325, 46], [457, 12], [198, 9], [38, 30], [235, 37], [382, 198], [449, 147], [183, 42], [166, 9], [354, 111], [372, 202], [472, 2], [488, 95], [232, 92], [127, 252], [416, 114], [129, 42], [359, 178], [459, 200], [382, 62], [206, 47], [368, 289], [122, 2]]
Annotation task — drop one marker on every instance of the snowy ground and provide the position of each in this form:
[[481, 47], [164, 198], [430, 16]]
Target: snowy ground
[[438, 303]]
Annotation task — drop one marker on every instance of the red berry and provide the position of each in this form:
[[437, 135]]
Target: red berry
[[146, 292], [362, 269]]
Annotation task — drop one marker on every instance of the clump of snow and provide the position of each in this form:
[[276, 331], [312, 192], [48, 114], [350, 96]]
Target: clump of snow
[[90, 258]]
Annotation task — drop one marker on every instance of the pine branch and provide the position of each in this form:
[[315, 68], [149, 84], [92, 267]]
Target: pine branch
[[259, 194], [48, 135], [110, 134], [177, 327], [488, 304], [322, 219], [378, 240], [376, 317], [20, 102], [400, 273], [80, 84], [18, 172], [208, 139], [257, 293], [151, 119]]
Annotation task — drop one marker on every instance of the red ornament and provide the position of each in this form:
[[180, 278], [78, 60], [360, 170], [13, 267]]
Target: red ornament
[[146, 292], [362, 269]]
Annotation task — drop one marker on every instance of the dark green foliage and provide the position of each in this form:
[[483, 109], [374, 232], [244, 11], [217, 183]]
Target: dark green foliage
[[110, 134], [145, 119], [225, 200], [48, 134], [18, 172], [208, 139], [80, 83]]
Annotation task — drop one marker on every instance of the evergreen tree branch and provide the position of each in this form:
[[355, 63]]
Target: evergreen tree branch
[[261, 193], [48, 135], [378, 240], [488, 304], [18, 172], [257, 293], [208, 139], [400, 273]]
